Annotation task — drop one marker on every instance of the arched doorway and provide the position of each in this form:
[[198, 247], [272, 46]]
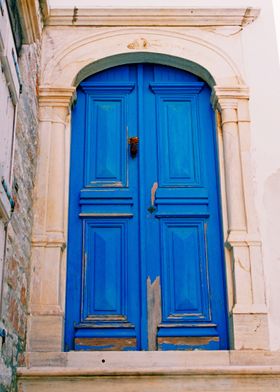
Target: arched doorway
[[145, 257]]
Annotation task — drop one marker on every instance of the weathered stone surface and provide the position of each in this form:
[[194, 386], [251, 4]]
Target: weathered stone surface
[[17, 261], [179, 379]]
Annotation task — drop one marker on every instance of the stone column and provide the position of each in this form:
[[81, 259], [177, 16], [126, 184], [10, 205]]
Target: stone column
[[249, 313], [46, 307]]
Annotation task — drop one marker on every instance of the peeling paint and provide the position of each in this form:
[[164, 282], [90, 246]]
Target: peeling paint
[[188, 343], [140, 43], [105, 344], [154, 311]]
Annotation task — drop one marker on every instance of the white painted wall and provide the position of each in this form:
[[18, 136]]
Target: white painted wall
[[262, 72], [276, 8]]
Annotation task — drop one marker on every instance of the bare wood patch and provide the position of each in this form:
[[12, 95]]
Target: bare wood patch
[[154, 311], [105, 344], [189, 342]]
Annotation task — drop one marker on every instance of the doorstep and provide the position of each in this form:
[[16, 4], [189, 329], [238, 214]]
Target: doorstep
[[223, 371]]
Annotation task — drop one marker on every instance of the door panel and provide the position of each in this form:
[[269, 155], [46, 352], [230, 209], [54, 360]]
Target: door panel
[[145, 256], [184, 271], [186, 209], [102, 309], [105, 144], [105, 270], [176, 126]]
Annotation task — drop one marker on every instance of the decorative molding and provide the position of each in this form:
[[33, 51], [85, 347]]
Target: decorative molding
[[163, 16], [228, 96], [56, 96], [238, 92], [123, 88], [242, 239], [250, 309], [141, 43], [48, 241], [172, 88], [185, 48], [45, 310]]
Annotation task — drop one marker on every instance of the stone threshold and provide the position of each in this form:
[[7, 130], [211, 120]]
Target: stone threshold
[[207, 371], [150, 360], [64, 372]]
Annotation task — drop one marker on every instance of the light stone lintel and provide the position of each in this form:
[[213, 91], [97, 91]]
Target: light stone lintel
[[153, 16]]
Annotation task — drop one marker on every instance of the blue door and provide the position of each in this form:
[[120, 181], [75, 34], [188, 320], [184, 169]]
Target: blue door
[[145, 266]]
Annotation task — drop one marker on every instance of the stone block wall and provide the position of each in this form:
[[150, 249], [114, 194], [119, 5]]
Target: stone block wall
[[18, 237]]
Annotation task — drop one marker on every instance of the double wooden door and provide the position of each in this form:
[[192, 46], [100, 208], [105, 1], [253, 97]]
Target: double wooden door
[[145, 267]]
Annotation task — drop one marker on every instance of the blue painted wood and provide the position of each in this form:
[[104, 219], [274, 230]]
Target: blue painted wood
[[177, 128], [118, 246], [105, 269], [105, 144], [184, 271]]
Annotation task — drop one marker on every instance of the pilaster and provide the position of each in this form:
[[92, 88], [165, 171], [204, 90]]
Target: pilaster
[[249, 311], [45, 324]]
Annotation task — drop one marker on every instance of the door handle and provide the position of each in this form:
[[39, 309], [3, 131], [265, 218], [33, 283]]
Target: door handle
[[152, 207], [133, 142]]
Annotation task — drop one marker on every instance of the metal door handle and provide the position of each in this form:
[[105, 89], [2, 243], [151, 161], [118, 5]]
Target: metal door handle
[[133, 141], [152, 207]]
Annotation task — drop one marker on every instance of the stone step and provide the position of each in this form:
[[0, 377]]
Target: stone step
[[150, 372]]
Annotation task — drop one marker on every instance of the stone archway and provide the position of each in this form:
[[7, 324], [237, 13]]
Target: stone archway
[[72, 61]]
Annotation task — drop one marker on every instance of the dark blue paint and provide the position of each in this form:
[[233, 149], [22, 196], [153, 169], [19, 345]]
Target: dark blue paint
[[114, 243]]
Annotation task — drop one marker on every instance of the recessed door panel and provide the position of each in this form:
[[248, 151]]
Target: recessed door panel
[[105, 270], [105, 161], [145, 258], [106, 133], [177, 133], [184, 271]]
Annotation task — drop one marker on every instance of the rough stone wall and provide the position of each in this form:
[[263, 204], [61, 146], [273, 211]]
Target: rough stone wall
[[18, 247]]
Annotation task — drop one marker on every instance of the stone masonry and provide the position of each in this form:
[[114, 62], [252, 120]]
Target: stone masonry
[[18, 246]]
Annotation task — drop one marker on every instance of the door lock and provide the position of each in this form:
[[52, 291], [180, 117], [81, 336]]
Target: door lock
[[133, 141]]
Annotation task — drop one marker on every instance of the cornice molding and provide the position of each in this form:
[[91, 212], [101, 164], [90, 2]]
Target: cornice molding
[[227, 97], [177, 16], [56, 96]]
